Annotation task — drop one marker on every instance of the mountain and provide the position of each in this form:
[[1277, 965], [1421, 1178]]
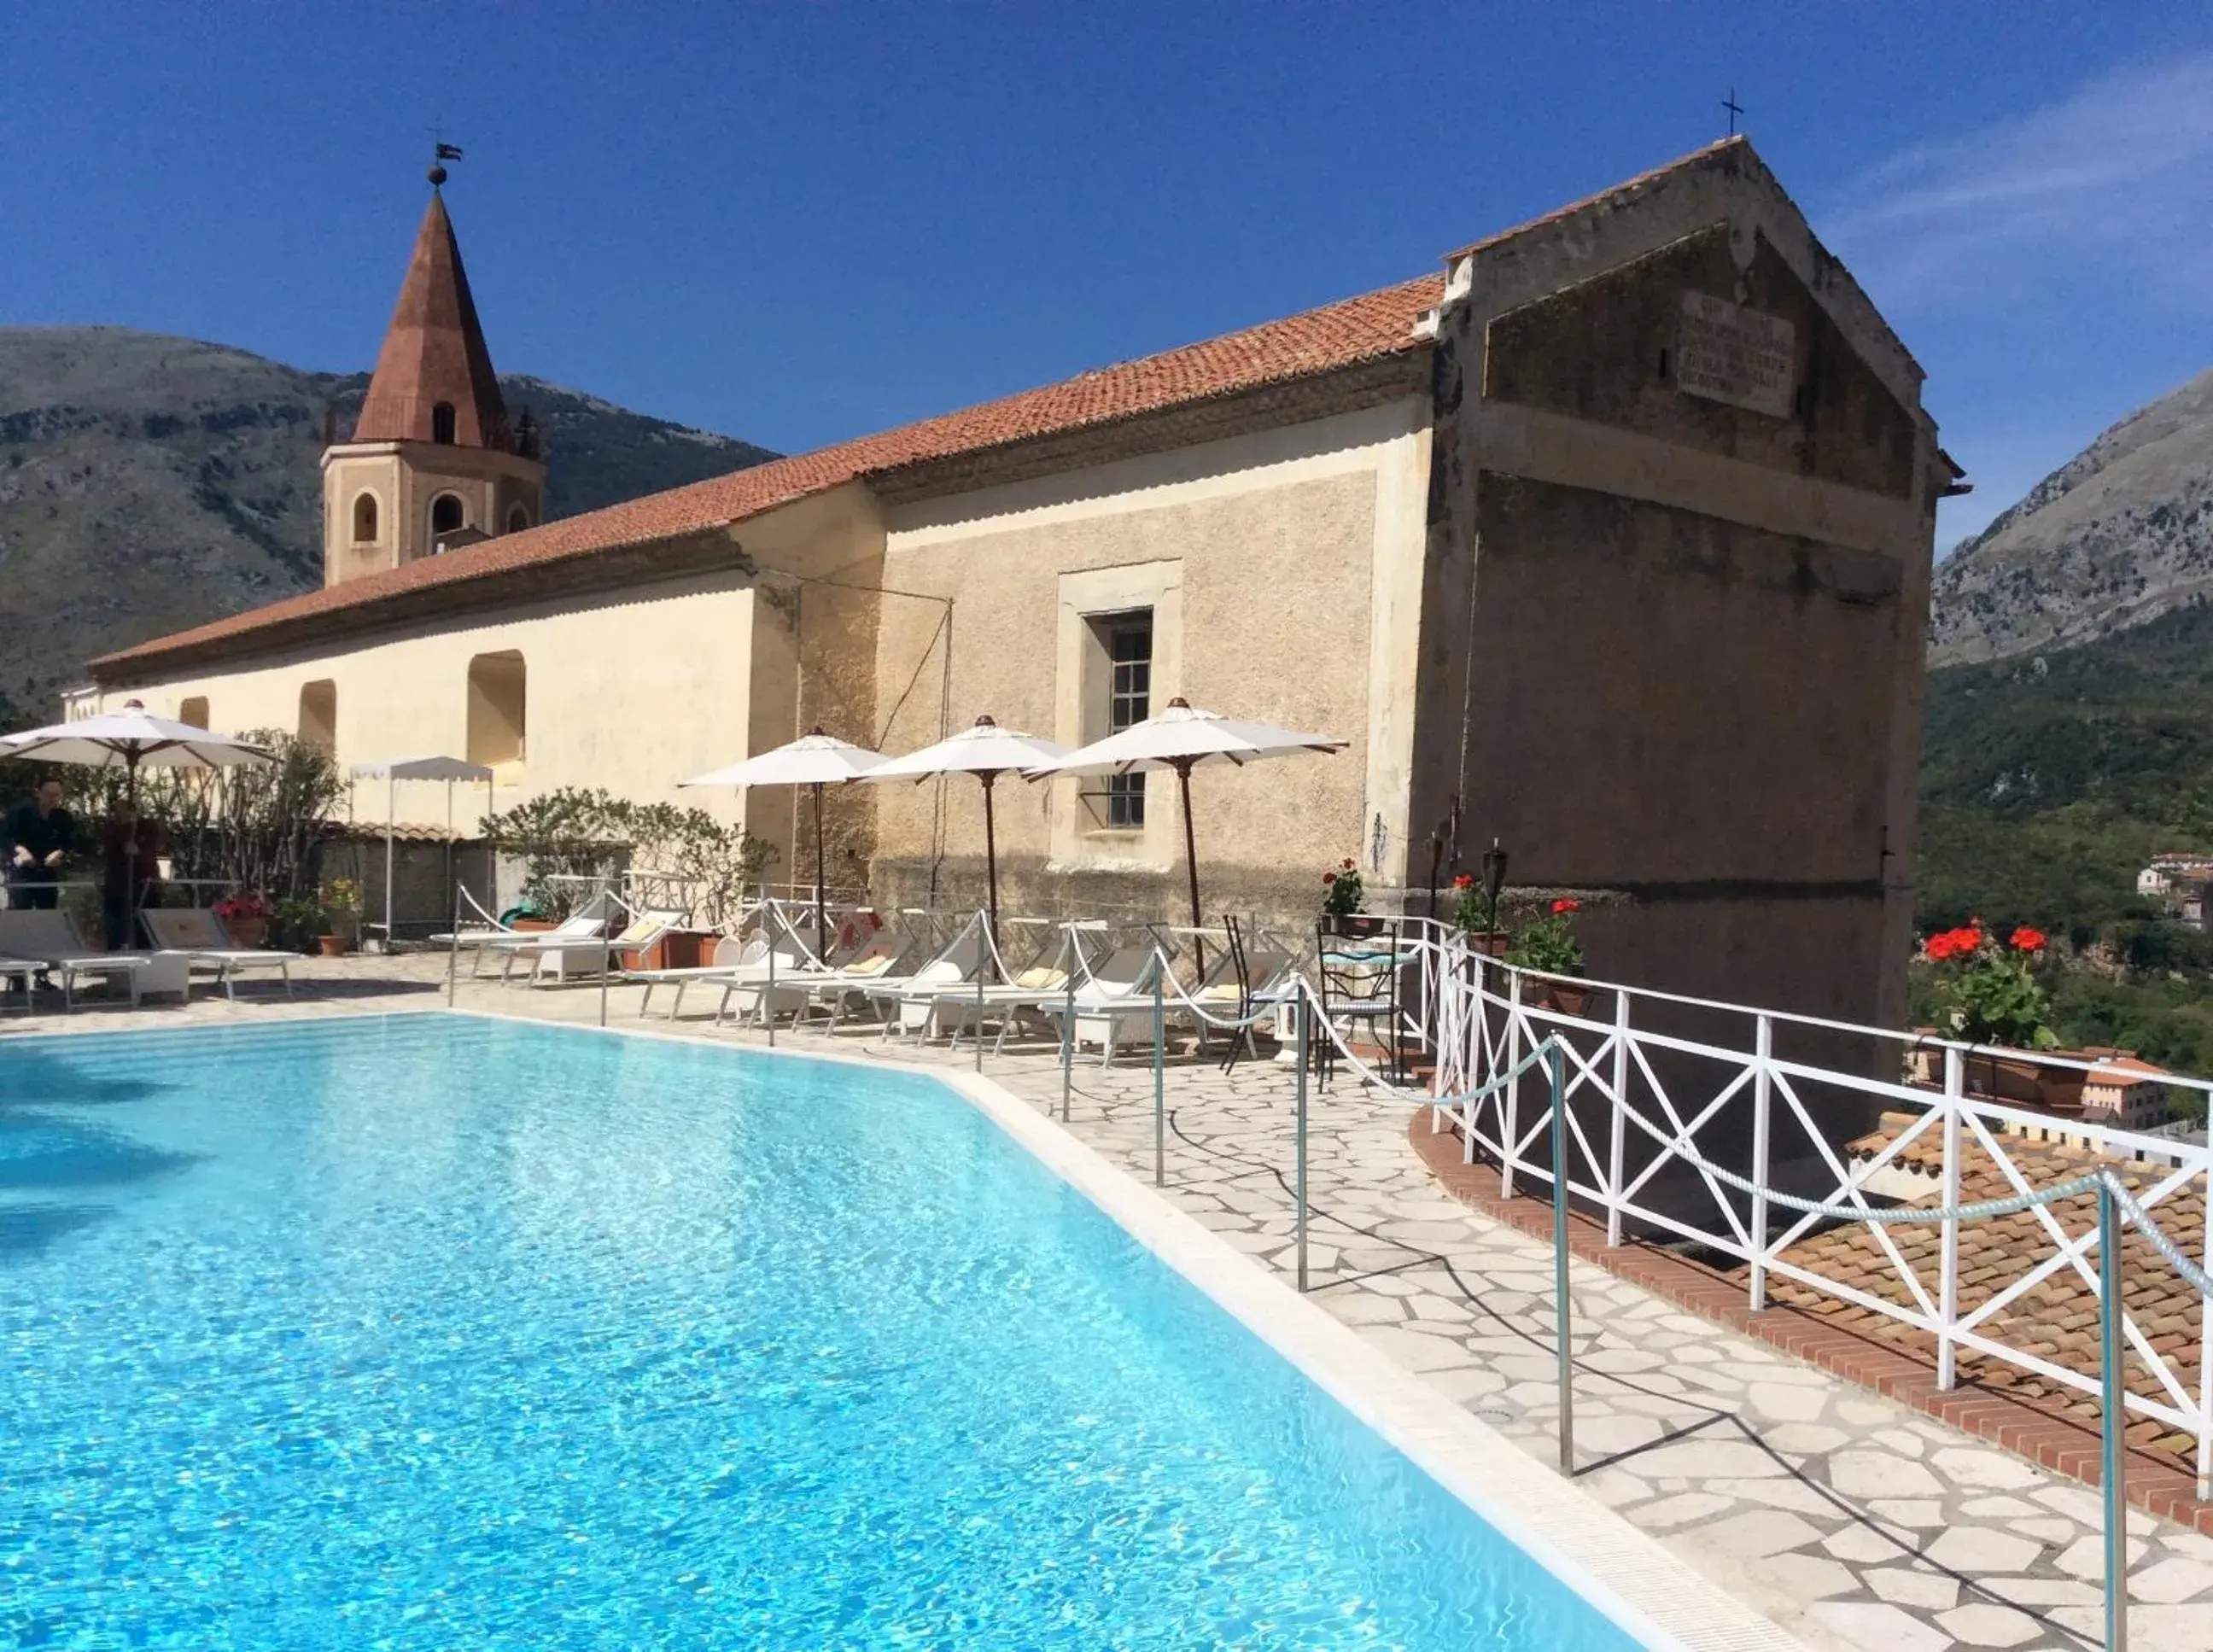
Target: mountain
[[2120, 534], [149, 483], [2046, 781]]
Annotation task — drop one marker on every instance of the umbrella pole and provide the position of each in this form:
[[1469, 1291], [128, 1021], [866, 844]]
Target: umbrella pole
[[991, 853], [818, 868], [1191, 864], [131, 869], [391, 816]]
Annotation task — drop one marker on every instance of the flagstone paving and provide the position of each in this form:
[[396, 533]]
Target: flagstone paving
[[1854, 1522]]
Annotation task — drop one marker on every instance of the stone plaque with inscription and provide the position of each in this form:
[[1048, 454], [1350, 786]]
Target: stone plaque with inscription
[[1727, 353]]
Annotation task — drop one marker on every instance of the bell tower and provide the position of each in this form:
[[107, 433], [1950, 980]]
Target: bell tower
[[434, 463]]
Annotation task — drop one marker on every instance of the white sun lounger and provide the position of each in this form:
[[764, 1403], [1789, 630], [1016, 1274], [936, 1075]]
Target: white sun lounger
[[1110, 1009], [876, 962], [745, 990], [199, 934], [45, 939], [910, 1003], [729, 952], [557, 959]]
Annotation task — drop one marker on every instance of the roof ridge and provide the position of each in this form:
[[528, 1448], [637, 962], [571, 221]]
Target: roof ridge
[[1342, 333]]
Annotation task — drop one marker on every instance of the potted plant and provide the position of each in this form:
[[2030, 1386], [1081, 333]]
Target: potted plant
[[1548, 943], [1989, 994], [1472, 915], [341, 904], [245, 914], [297, 926], [1342, 896]]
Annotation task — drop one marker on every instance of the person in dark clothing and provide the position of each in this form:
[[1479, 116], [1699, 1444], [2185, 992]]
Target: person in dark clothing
[[39, 834], [131, 850]]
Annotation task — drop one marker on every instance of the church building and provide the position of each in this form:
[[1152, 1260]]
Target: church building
[[1610, 540]]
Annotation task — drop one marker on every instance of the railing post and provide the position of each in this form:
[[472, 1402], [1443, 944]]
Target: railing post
[[1948, 1271], [607, 963], [768, 1004], [1617, 1128], [1762, 1048], [1300, 1013], [1160, 1080], [1067, 1035], [2205, 1354], [978, 1029], [453, 951], [1509, 1096], [1561, 1313], [2112, 1368]]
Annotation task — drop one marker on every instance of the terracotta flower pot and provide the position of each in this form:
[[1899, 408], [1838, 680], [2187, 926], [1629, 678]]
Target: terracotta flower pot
[[1353, 925], [333, 946], [1568, 1000], [1491, 943], [248, 931]]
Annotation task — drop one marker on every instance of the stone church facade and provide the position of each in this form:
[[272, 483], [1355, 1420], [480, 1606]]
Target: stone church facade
[[1611, 541]]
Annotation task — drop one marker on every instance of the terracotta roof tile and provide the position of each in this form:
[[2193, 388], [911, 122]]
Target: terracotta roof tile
[[2057, 1318], [1365, 328], [1373, 325], [433, 353]]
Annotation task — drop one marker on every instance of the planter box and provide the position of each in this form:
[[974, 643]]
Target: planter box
[[2023, 1082], [1358, 926], [1565, 998]]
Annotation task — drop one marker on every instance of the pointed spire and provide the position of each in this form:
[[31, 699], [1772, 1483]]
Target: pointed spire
[[434, 353]]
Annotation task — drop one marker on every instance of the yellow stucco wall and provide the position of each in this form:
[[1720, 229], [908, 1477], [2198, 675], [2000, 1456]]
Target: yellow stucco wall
[[1283, 570], [631, 691], [612, 687]]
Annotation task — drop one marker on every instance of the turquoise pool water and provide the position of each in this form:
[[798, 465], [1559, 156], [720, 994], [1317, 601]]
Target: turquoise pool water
[[428, 1332]]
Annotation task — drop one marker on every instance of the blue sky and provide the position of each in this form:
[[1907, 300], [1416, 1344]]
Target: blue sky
[[797, 223]]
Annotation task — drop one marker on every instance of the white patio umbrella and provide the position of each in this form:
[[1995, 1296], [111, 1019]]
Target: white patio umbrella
[[813, 759], [131, 740], [394, 770], [986, 751], [1181, 738]]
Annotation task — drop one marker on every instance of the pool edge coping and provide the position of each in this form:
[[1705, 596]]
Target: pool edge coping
[[1626, 1574]]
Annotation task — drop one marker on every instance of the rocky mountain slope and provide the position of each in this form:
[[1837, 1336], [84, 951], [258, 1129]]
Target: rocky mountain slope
[[148, 483], [2119, 535]]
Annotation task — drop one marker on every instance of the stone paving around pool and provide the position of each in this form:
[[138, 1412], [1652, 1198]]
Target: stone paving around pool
[[1853, 1521]]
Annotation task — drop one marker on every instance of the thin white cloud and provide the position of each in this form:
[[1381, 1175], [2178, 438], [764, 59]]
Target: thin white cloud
[[2118, 175]]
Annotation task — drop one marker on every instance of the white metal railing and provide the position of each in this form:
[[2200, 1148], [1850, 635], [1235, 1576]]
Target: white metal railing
[[1699, 1119]]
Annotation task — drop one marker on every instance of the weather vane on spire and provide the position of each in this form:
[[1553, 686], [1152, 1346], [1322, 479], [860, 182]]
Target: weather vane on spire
[[442, 152]]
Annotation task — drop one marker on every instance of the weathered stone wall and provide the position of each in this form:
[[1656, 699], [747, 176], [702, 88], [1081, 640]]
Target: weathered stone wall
[[1671, 645]]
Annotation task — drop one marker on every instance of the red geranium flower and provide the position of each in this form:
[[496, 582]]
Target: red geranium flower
[[1329, 877], [2027, 940], [1566, 905], [1349, 863], [1938, 946], [1463, 881]]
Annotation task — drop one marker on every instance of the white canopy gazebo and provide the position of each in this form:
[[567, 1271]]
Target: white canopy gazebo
[[392, 771]]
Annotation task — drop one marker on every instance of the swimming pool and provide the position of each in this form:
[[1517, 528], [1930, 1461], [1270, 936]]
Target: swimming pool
[[433, 1331]]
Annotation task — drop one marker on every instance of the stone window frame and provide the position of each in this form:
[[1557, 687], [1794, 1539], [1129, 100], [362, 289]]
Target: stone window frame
[[1082, 685]]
